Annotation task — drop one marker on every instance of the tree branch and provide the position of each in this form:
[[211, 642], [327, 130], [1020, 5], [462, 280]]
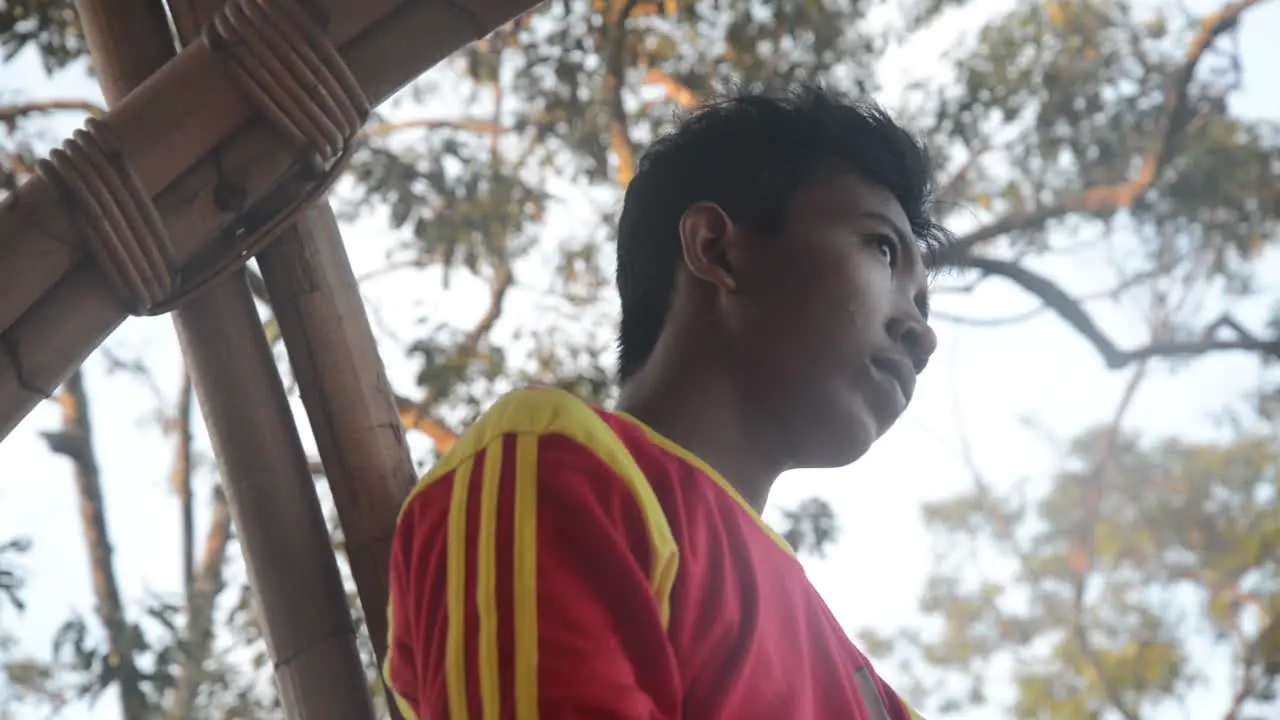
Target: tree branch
[[413, 416], [502, 281], [1254, 653], [75, 441], [417, 415], [1075, 315], [1111, 198], [948, 191], [615, 65], [1083, 556], [10, 114], [483, 127], [208, 585], [679, 93], [182, 485], [1249, 682]]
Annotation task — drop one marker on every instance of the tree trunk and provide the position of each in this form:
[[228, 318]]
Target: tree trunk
[[76, 442]]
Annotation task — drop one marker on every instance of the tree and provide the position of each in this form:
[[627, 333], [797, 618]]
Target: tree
[[1142, 571], [16, 670], [1101, 125], [159, 654], [1101, 120]]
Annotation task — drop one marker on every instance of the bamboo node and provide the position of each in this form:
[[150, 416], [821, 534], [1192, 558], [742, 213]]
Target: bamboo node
[[281, 57], [114, 216]]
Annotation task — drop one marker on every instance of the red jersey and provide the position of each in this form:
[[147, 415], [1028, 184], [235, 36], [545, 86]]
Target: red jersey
[[566, 562]]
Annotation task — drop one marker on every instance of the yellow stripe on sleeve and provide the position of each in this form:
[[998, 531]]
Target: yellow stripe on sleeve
[[487, 582], [528, 415], [550, 411], [525, 588], [455, 642]]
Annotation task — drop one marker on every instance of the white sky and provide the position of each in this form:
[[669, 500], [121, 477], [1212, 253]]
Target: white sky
[[986, 381]]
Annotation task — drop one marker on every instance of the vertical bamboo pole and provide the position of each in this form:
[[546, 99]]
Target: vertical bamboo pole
[[282, 531], [291, 564]]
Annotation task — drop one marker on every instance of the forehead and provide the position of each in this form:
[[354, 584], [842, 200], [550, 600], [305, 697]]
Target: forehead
[[842, 192]]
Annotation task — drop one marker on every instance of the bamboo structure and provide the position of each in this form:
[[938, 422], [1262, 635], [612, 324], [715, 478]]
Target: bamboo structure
[[263, 466], [205, 159], [66, 282], [298, 592], [347, 396]]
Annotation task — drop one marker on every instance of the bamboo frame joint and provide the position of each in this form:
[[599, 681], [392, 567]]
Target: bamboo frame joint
[[292, 71], [278, 53], [114, 214]]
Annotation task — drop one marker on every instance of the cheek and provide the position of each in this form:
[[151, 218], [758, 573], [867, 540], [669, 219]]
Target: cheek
[[841, 296], [868, 290], [805, 311], [822, 330], [853, 314]]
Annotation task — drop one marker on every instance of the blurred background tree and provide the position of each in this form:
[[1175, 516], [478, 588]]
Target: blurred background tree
[[1141, 572], [1063, 130]]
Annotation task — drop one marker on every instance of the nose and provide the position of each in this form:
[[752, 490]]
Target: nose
[[914, 336]]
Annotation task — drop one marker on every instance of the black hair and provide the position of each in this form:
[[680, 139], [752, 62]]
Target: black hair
[[749, 154]]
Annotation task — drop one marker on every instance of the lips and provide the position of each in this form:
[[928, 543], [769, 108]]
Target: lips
[[898, 369]]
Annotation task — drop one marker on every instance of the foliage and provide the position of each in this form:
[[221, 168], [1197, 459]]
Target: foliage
[[49, 25], [810, 526], [1073, 119], [20, 676], [1106, 590], [12, 578]]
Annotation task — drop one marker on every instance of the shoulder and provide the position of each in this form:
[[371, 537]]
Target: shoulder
[[552, 457], [548, 415], [568, 444]]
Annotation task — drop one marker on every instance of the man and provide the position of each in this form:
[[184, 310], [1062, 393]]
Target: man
[[567, 562]]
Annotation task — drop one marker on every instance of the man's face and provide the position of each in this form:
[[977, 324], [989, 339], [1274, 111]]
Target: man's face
[[830, 319]]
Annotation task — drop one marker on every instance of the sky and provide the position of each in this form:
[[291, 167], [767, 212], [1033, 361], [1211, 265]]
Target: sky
[[988, 387]]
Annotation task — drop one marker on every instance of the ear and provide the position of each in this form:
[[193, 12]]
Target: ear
[[707, 236]]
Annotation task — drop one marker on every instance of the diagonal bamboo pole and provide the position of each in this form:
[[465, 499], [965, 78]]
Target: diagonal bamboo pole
[[264, 468], [56, 306], [348, 398]]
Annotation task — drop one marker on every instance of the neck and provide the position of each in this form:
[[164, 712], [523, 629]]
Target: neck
[[701, 409]]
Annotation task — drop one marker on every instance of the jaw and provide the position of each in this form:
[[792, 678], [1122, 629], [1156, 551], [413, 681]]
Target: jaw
[[839, 438]]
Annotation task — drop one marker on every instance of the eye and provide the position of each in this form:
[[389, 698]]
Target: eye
[[887, 246]]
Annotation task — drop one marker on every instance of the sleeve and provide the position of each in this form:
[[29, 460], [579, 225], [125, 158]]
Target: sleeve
[[532, 579]]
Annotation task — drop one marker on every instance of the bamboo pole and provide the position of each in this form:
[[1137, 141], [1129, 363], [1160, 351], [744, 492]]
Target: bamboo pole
[[167, 131], [264, 467], [348, 398], [175, 119], [277, 516], [343, 385]]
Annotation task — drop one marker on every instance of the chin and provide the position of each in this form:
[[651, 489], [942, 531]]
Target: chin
[[839, 442]]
